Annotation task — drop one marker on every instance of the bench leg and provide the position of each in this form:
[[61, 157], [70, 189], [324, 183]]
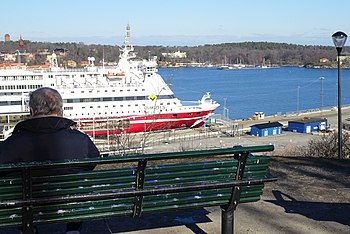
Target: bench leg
[[227, 221]]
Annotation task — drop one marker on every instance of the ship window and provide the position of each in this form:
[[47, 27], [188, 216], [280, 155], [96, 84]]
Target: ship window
[[114, 105], [106, 91], [121, 90], [143, 89], [189, 114], [129, 98], [128, 90], [113, 90], [136, 104], [15, 102], [72, 91], [91, 107], [121, 105], [98, 91]]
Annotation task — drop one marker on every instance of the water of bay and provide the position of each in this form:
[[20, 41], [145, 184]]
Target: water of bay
[[273, 91]]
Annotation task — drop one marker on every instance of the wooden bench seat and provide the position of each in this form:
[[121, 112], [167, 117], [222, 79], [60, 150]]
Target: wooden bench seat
[[131, 185]]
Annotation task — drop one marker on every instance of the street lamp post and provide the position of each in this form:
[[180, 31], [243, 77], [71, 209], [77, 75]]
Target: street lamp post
[[339, 39], [321, 94], [298, 94]]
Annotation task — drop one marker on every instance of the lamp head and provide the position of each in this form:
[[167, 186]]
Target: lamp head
[[339, 39]]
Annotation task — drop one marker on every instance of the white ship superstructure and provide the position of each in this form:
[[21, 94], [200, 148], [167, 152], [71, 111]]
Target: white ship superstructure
[[131, 97]]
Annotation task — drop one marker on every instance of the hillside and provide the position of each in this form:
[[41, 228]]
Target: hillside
[[251, 53]]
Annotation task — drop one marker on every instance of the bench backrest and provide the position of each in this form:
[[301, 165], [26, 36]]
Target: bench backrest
[[127, 185]]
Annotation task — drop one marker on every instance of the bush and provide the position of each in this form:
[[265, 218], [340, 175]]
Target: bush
[[326, 146]]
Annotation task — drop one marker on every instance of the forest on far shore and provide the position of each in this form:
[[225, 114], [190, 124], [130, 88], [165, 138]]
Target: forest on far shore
[[249, 53]]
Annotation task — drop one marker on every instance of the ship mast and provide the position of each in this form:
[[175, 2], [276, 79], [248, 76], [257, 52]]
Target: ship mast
[[127, 51], [127, 37]]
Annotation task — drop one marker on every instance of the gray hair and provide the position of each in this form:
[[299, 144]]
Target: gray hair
[[45, 101]]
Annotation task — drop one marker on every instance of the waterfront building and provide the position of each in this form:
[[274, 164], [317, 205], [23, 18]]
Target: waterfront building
[[177, 54], [266, 129], [10, 57], [307, 125]]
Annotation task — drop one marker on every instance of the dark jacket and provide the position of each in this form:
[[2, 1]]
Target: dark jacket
[[46, 138]]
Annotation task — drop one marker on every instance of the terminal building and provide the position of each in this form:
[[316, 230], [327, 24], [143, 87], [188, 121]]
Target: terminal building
[[307, 125]]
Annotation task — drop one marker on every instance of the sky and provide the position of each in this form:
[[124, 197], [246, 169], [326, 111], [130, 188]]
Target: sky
[[175, 22]]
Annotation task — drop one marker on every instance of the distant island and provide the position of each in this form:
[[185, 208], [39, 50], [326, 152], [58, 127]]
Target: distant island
[[254, 54]]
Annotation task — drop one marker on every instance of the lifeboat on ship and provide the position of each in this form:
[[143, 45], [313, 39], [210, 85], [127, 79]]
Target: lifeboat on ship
[[115, 75]]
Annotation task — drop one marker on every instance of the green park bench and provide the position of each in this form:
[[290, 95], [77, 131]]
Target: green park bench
[[132, 185]]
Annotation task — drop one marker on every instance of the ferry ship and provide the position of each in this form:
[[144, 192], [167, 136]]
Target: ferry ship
[[130, 97]]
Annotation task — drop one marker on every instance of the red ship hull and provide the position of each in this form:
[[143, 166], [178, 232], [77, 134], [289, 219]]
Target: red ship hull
[[147, 123]]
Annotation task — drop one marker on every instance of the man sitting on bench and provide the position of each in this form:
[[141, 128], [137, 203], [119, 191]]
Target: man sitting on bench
[[46, 135]]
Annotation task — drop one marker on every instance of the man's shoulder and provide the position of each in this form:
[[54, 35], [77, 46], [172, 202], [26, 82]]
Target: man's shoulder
[[78, 131], [73, 132]]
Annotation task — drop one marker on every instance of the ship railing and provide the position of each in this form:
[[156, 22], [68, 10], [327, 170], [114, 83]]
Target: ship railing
[[94, 85], [191, 104], [67, 70]]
